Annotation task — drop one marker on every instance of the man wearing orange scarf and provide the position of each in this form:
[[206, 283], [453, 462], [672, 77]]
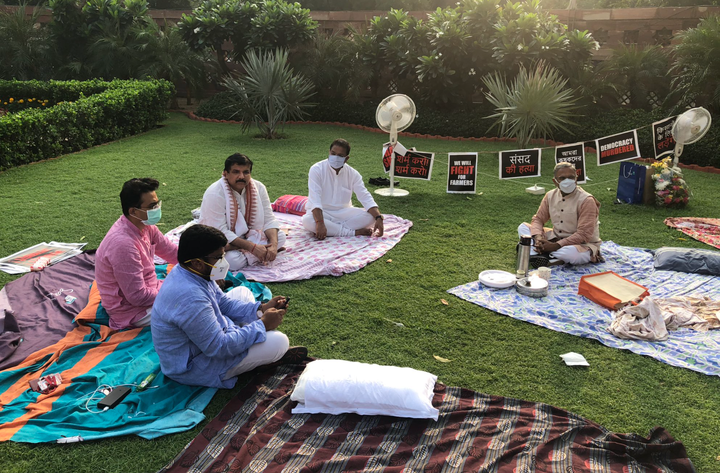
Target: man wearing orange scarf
[[239, 206]]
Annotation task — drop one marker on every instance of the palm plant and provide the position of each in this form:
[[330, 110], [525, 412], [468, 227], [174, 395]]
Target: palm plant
[[533, 105], [327, 63], [167, 56], [639, 72], [269, 93], [24, 48], [697, 66]]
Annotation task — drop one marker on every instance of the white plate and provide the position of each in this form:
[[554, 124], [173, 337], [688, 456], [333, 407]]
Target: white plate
[[497, 279]]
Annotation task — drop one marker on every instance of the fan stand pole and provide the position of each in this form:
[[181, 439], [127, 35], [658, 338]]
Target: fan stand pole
[[391, 191]]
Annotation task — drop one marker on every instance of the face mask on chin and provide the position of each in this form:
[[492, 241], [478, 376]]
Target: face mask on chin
[[336, 162], [567, 185]]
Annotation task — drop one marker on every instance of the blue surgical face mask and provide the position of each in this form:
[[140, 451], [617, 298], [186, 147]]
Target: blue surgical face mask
[[153, 215], [336, 162]]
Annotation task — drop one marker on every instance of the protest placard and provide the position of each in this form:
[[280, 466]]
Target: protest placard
[[399, 149], [663, 141], [462, 173], [520, 163], [615, 148], [414, 165], [573, 154]]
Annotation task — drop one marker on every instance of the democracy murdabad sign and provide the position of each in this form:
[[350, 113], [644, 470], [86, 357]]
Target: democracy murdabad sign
[[575, 155], [520, 163], [615, 148], [462, 173]]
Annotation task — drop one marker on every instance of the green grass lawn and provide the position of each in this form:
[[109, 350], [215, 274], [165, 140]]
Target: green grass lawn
[[454, 237]]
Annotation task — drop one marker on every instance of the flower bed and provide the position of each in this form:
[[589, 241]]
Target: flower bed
[[74, 115]]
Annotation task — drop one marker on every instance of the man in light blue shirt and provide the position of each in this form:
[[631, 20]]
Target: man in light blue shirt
[[204, 337]]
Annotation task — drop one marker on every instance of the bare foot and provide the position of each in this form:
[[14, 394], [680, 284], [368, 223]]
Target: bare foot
[[364, 232]]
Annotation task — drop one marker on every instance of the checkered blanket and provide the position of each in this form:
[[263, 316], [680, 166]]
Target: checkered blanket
[[255, 432]]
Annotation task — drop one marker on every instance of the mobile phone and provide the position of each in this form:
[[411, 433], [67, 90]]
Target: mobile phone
[[114, 398], [287, 301]]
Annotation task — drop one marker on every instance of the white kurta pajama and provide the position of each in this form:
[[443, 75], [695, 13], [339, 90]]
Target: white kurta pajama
[[214, 212], [332, 193]]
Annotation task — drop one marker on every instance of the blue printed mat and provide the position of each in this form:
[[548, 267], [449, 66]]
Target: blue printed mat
[[563, 310]]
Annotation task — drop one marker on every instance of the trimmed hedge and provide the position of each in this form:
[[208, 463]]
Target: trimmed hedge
[[85, 114], [469, 121]]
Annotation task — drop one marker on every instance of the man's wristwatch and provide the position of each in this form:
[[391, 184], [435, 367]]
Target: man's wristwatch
[[379, 217]]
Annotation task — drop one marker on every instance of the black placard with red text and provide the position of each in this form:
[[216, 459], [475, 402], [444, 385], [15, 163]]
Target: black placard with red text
[[575, 155], [414, 165], [616, 148], [462, 173], [663, 141], [520, 163]]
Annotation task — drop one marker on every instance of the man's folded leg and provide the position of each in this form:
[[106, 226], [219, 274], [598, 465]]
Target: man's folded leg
[[236, 259], [570, 254], [271, 350]]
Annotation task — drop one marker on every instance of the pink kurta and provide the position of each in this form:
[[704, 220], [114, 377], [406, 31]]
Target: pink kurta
[[125, 271]]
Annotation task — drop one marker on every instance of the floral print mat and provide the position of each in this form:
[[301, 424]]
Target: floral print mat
[[706, 230], [563, 310]]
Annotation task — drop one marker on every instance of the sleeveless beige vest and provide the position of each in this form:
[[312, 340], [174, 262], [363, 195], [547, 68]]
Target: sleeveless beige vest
[[564, 212]]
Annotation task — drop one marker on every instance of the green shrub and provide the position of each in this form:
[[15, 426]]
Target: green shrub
[[86, 114], [469, 121]]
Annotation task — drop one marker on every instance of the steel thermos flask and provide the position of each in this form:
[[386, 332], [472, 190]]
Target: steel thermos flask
[[523, 257]]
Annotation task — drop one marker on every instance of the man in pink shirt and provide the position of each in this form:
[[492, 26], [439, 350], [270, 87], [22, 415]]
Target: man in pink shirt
[[124, 267]]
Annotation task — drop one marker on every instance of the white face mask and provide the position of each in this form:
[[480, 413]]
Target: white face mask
[[336, 162], [220, 270], [567, 185]]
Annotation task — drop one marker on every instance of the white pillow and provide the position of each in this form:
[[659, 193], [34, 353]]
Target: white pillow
[[338, 386]]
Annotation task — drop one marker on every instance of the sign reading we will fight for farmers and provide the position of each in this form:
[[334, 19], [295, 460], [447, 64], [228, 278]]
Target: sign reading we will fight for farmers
[[620, 147], [462, 173], [520, 163], [575, 155]]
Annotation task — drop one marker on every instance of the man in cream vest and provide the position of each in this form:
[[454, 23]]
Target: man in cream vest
[[574, 237], [239, 206]]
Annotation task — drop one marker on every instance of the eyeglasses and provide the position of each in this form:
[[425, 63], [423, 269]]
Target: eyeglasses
[[154, 206]]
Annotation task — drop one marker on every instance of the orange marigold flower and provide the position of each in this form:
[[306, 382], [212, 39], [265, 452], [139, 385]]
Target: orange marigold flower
[[12, 100], [21, 101]]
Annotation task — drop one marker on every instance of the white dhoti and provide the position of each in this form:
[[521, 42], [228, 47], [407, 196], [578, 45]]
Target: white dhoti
[[272, 349], [343, 222], [238, 259], [568, 254]]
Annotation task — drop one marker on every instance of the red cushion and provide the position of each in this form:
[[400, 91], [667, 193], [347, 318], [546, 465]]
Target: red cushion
[[290, 204]]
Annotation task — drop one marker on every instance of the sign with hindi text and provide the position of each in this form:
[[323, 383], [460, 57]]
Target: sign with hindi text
[[520, 163], [388, 150], [462, 173], [414, 165], [575, 155], [663, 141], [615, 148]]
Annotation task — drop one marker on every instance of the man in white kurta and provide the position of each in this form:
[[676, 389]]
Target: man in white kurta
[[574, 237], [329, 210], [239, 206]]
